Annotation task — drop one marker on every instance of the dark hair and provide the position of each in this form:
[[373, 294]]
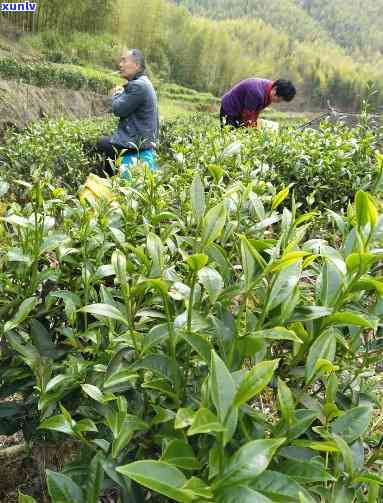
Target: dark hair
[[138, 57], [285, 89]]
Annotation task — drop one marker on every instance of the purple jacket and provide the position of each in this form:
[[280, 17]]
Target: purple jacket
[[247, 98]]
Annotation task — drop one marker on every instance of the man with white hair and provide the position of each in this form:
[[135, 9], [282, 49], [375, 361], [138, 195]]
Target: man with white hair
[[136, 106]]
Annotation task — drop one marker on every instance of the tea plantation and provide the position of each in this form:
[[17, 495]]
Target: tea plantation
[[210, 332]]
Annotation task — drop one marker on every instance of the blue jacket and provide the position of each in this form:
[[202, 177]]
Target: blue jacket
[[137, 108]]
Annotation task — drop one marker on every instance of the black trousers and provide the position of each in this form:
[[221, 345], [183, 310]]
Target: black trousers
[[229, 120], [107, 149]]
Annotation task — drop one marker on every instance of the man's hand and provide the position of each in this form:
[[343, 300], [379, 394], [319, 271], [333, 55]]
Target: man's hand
[[117, 90]]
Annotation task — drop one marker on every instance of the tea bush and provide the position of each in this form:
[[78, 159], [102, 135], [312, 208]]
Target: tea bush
[[47, 74], [324, 167], [190, 339], [60, 150]]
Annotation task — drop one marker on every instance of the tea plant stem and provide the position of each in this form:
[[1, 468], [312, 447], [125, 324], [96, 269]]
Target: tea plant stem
[[172, 346], [221, 451], [189, 323], [84, 250], [128, 302], [190, 305]]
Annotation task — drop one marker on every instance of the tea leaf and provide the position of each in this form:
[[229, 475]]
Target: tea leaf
[[222, 387], [352, 424], [249, 461], [160, 477], [62, 488], [212, 224], [22, 313], [180, 454], [197, 197], [254, 381], [323, 347]]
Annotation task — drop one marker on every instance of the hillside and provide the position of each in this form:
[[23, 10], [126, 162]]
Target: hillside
[[332, 50], [354, 25], [32, 86]]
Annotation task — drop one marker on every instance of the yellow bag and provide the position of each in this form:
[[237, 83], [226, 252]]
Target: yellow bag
[[96, 188]]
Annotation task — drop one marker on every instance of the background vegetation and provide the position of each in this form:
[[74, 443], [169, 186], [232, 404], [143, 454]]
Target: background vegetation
[[332, 50]]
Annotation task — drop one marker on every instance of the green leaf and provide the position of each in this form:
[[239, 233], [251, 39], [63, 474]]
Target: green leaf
[[303, 420], [352, 424], [324, 366], [222, 387], [198, 488], [103, 271], [212, 281], [57, 423], [279, 487], [158, 284], [104, 310], [248, 262], [241, 494], [212, 224], [288, 259], [365, 209], [22, 313], [255, 381], [369, 477], [95, 479], [160, 477], [306, 313], [197, 194], [180, 454], [249, 461], [62, 489], [119, 265], [320, 445], [23, 498], [279, 198], [343, 494], [323, 347], [283, 285], [305, 471], [55, 381], [216, 171], [346, 453], [251, 260], [162, 415], [361, 262], [351, 318], [43, 341], [205, 421], [94, 392], [184, 418], [278, 334], [122, 378], [85, 425], [366, 283], [155, 250], [130, 425], [28, 351], [250, 345], [155, 336], [286, 402], [161, 385], [197, 261], [159, 364], [200, 345], [330, 283]]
